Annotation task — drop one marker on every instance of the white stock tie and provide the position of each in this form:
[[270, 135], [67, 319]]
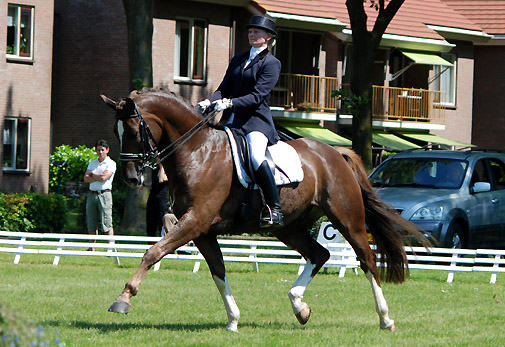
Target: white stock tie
[[251, 58]]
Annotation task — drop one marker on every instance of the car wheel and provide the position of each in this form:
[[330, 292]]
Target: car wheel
[[454, 238]]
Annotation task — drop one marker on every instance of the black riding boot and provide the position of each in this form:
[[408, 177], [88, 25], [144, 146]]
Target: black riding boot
[[271, 215]]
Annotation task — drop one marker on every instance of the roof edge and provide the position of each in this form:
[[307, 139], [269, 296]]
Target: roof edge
[[461, 34], [306, 22], [406, 42]]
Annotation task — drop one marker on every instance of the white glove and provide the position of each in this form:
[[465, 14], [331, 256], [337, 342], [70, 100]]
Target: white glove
[[222, 104], [202, 105]]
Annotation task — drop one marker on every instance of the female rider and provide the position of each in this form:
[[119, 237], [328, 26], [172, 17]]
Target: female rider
[[245, 90]]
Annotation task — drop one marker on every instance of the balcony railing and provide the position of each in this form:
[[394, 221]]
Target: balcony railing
[[295, 92], [407, 104], [305, 93]]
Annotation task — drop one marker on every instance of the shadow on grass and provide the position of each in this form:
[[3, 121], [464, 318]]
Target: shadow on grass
[[112, 327]]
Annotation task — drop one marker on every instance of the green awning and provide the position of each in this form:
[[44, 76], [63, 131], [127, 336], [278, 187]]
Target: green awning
[[426, 58], [392, 142], [314, 131], [436, 139]]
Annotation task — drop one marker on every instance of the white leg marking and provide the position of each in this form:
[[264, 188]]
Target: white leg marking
[[380, 303], [229, 303], [296, 292]]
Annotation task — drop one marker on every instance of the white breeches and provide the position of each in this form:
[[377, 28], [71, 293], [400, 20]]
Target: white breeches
[[257, 148]]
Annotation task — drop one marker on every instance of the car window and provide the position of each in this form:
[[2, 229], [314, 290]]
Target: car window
[[498, 171], [420, 172], [480, 173]]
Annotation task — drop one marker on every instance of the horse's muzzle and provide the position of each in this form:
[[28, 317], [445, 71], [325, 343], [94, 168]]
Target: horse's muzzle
[[131, 175]]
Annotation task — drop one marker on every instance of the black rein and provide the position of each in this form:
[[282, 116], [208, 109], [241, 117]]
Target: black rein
[[149, 152]]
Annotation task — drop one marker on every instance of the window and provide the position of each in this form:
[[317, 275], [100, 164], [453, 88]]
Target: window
[[20, 31], [16, 144], [498, 170], [445, 80], [191, 44]]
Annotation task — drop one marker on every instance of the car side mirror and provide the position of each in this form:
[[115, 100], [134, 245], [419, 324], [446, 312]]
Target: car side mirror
[[480, 187]]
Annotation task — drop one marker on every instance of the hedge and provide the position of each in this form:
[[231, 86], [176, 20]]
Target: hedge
[[45, 213]]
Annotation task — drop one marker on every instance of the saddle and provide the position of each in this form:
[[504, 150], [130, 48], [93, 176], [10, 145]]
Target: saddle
[[282, 159]]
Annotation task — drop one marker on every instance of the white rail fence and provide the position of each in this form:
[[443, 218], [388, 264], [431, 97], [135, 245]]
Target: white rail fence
[[250, 251]]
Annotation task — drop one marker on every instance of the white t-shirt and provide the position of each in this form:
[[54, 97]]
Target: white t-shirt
[[98, 167]]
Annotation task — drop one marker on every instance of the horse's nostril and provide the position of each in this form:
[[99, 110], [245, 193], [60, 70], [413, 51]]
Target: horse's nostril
[[132, 181]]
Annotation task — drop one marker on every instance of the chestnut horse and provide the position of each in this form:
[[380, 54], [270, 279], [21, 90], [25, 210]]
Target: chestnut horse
[[208, 196]]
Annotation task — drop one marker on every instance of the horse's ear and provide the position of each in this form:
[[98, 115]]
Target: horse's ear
[[130, 104], [109, 102]]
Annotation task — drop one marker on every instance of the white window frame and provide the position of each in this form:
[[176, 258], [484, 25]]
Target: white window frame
[[445, 80], [17, 54], [191, 52], [10, 137]]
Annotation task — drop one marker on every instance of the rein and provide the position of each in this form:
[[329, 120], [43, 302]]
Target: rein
[[149, 152]]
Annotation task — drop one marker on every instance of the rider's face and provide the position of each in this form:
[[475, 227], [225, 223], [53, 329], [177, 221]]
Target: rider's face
[[258, 37]]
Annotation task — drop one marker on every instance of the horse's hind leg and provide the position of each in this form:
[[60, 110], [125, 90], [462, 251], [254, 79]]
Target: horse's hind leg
[[358, 239], [211, 251], [380, 304], [316, 255]]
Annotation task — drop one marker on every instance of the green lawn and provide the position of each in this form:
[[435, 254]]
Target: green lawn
[[178, 307]]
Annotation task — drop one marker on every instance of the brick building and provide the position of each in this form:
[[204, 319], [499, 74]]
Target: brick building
[[25, 94], [488, 117], [436, 55]]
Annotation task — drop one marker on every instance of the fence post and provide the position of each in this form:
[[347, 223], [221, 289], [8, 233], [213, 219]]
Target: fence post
[[56, 259], [109, 250], [253, 256], [450, 277], [197, 264], [18, 255], [495, 265]]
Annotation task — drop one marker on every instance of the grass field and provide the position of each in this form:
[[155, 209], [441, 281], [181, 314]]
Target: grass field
[[177, 307]]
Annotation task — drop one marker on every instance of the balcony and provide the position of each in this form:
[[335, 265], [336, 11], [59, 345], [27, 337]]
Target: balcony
[[303, 93], [306, 93], [407, 104]]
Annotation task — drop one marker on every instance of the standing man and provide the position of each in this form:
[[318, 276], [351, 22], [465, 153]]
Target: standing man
[[99, 175]]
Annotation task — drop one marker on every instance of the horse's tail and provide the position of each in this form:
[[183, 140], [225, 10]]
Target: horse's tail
[[384, 223]]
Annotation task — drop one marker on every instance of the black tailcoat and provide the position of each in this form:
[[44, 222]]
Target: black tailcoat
[[249, 90]]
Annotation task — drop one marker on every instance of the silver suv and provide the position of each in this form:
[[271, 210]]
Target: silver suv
[[456, 197]]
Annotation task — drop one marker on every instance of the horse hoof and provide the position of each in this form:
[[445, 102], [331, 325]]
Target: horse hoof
[[232, 329], [392, 328], [304, 315], [120, 307]]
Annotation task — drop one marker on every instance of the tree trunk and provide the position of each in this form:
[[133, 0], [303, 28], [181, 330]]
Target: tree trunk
[[139, 23], [134, 216], [365, 45]]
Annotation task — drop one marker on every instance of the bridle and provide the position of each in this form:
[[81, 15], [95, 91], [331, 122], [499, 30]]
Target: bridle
[[151, 156]]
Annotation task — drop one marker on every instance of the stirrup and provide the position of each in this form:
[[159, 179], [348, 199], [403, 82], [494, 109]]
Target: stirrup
[[271, 217]]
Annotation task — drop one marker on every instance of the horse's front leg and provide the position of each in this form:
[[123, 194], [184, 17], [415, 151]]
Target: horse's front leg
[[316, 256], [209, 247], [182, 233]]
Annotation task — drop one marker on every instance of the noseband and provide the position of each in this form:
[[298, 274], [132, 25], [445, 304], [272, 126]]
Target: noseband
[[150, 154]]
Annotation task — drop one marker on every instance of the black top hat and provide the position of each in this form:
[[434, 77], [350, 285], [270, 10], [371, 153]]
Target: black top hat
[[262, 23]]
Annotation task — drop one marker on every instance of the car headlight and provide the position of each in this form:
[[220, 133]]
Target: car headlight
[[429, 213]]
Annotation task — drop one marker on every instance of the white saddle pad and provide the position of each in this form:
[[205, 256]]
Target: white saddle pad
[[284, 156]]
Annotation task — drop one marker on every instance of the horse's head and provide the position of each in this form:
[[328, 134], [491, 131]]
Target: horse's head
[[137, 139]]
